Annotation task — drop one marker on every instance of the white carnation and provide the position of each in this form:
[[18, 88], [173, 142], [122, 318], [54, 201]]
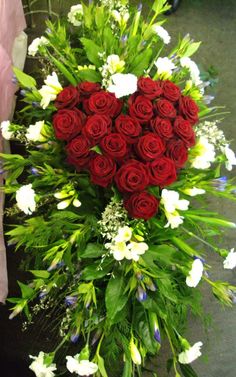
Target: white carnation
[[35, 44], [5, 129], [75, 14], [40, 368], [80, 367], [186, 62], [25, 199], [50, 90], [205, 154], [191, 354], [162, 33], [195, 274], [230, 260], [165, 66], [123, 84], [34, 132]]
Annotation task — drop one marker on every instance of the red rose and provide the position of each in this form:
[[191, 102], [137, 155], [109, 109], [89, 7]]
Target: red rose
[[177, 152], [142, 205], [87, 88], [78, 151], [150, 146], [162, 127], [188, 109], [114, 145], [141, 109], [184, 130], [103, 103], [165, 109], [149, 88], [68, 123], [96, 127], [69, 97], [132, 177], [162, 171], [128, 127], [170, 91], [102, 170]]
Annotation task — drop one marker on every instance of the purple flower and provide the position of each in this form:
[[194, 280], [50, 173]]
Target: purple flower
[[157, 335], [71, 300], [34, 171], [220, 183], [42, 295], [74, 338], [140, 7], [141, 294]]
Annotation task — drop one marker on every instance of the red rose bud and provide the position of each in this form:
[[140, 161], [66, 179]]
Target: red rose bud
[[96, 127], [162, 127], [149, 88], [141, 109], [150, 146], [87, 88], [184, 130], [69, 97], [162, 172], [142, 205], [68, 123], [78, 151], [114, 145], [132, 177], [104, 103], [128, 127], [165, 109], [188, 109], [177, 151], [171, 91], [102, 170]]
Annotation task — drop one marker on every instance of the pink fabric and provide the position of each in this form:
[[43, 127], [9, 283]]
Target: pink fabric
[[12, 22]]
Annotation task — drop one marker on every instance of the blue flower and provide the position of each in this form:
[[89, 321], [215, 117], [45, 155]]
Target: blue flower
[[71, 300], [141, 294]]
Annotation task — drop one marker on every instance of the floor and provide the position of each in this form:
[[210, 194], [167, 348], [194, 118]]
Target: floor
[[214, 23]]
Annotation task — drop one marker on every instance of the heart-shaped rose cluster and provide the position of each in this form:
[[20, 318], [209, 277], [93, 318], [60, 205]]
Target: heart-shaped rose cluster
[[134, 144]]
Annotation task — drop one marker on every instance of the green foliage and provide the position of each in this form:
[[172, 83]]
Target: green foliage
[[115, 298]]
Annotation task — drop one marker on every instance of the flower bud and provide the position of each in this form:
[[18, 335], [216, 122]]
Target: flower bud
[[135, 354]]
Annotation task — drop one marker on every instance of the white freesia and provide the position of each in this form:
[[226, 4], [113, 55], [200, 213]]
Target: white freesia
[[119, 250], [120, 17], [136, 249], [80, 367], [186, 62], [230, 260], [174, 220], [170, 200], [124, 234], [195, 274], [162, 33], [39, 367], [25, 199], [194, 191], [205, 154], [165, 66], [34, 132], [123, 84], [6, 133], [35, 44], [230, 155], [114, 64], [76, 203], [50, 90], [191, 354], [75, 14]]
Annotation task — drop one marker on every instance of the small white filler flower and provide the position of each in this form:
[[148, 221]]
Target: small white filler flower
[[5, 129]]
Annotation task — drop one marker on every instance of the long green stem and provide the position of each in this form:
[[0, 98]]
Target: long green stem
[[172, 349]]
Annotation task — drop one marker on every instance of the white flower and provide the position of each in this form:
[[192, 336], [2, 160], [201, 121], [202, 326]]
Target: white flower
[[186, 62], [50, 90], [6, 133], [114, 64], [165, 66], [81, 367], [170, 200], [40, 368], [120, 17], [205, 154], [34, 132], [162, 33], [124, 234], [25, 199], [75, 14], [35, 44], [135, 354], [195, 274], [230, 260], [76, 203], [119, 250], [174, 219], [123, 84], [230, 155], [194, 191], [191, 354], [136, 249]]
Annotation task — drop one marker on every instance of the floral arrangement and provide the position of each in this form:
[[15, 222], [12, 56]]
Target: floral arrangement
[[117, 145]]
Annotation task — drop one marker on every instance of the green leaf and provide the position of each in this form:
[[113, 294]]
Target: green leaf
[[40, 274], [142, 327], [101, 366], [97, 270], [25, 80], [141, 62], [89, 75], [92, 50], [26, 291], [115, 298], [127, 371], [68, 75], [191, 49], [160, 6], [187, 370], [93, 250]]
